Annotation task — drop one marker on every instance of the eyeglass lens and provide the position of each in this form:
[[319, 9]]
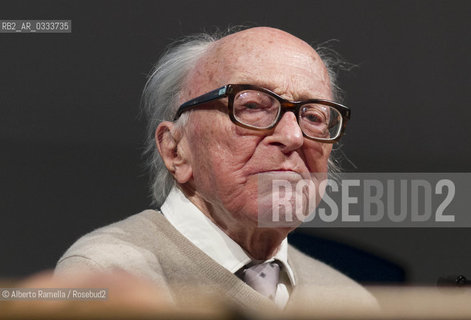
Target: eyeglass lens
[[261, 110]]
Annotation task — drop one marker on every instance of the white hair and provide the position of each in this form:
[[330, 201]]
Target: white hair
[[161, 96]]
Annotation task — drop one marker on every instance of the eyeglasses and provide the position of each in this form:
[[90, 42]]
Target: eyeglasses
[[258, 108]]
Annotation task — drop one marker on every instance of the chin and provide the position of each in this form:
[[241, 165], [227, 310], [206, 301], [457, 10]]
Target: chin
[[284, 200], [273, 214]]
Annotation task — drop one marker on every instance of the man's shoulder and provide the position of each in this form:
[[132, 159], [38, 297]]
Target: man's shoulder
[[311, 270], [326, 284], [126, 244]]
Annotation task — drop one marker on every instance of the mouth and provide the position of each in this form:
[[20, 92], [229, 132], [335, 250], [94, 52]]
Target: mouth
[[281, 174]]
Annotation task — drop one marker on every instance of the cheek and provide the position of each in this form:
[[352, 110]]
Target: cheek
[[220, 149], [231, 154], [317, 156]]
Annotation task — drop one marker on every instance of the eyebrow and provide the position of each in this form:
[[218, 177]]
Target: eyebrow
[[306, 95], [260, 83]]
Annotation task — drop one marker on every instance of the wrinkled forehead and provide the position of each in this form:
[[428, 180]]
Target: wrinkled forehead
[[266, 57]]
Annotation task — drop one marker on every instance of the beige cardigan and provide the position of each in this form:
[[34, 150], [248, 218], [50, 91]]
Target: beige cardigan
[[148, 246]]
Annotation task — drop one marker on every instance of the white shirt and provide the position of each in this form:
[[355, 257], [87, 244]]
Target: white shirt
[[209, 238]]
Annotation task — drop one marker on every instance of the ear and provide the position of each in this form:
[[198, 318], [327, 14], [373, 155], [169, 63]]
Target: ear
[[174, 151]]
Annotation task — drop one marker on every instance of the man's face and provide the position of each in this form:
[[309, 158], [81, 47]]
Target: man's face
[[227, 160]]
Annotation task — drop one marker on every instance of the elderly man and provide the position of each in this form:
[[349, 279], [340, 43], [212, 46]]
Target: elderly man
[[224, 112]]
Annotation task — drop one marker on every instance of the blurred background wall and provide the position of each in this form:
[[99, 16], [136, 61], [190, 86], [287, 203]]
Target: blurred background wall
[[71, 139]]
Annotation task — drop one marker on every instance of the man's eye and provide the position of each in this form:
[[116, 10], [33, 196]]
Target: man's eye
[[315, 117], [252, 106]]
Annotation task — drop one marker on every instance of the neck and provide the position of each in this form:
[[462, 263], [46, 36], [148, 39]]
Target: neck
[[259, 243]]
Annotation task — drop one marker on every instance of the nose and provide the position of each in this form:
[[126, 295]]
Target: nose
[[287, 134]]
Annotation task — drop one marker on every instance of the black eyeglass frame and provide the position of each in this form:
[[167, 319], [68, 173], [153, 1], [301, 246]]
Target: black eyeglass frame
[[231, 90]]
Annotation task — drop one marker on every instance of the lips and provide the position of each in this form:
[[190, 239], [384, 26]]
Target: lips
[[290, 174], [282, 174]]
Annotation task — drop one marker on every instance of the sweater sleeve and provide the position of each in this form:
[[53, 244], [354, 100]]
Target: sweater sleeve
[[128, 246], [72, 264]]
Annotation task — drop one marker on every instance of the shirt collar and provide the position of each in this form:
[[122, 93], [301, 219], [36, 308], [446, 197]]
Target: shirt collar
[[209, 238]]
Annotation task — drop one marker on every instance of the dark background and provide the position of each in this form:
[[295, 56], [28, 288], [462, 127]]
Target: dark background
[[71, 139]]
